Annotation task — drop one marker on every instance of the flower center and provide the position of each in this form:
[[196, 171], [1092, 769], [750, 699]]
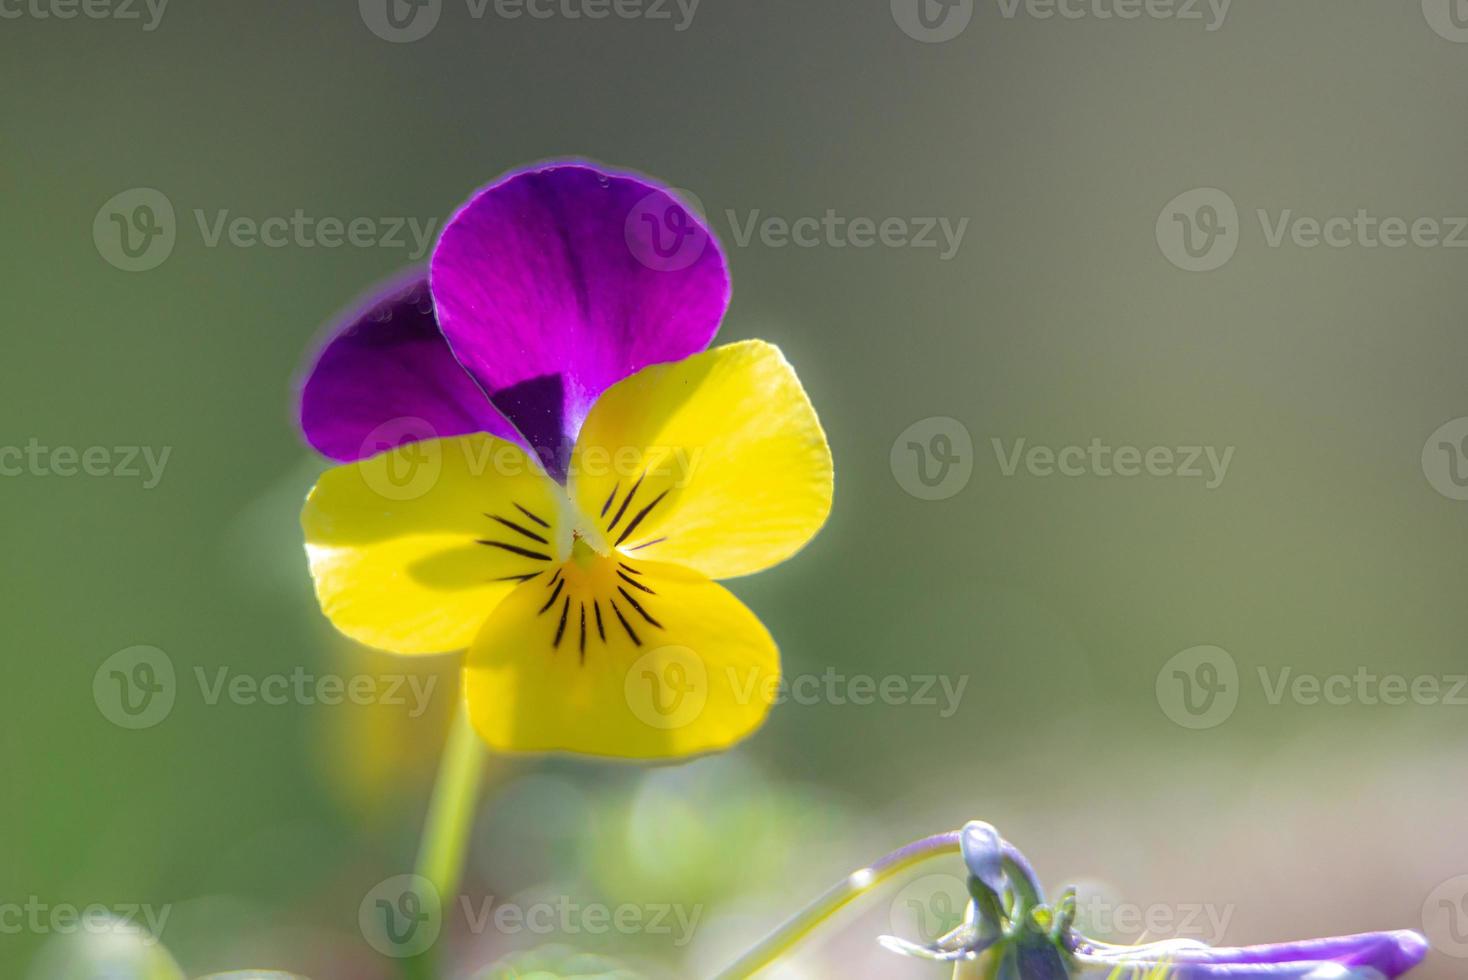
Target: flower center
[[594, 600], [593, 593]]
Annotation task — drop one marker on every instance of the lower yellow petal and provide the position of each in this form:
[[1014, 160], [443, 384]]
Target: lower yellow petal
[[619, 658], [412, 549]]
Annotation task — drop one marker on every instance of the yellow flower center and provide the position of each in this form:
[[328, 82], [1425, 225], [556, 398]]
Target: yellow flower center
[[591, 587]]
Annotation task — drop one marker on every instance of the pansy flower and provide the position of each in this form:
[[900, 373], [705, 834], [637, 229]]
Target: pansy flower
[[1011, 933], [544, 467]]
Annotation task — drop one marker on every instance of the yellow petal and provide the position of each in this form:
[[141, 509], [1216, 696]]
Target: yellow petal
[[716, 462], [619, 658], [412, 549]]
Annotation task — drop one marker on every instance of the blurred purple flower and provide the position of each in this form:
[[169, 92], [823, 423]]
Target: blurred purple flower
[[1021, 937], [1369, 956]]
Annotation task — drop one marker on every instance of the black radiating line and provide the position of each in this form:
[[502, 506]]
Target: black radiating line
[[638, 606], [634, 583], [516, 527], [625, 501], [559, 586], [531, 516], [561, 628], [623, 620], [627, 531], [600, 631], [648, 544], [629, 568], [515, 578], [554, 579], [613, 496], [583, 632], [515, 549]]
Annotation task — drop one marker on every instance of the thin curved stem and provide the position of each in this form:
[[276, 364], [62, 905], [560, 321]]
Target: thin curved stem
[[445, 840], [777, 943]]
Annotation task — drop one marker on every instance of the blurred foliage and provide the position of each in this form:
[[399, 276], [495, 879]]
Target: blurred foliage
[[113, 951], [557, 963]]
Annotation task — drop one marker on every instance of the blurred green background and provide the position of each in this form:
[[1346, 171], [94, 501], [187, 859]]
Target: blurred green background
[[1058, 601]]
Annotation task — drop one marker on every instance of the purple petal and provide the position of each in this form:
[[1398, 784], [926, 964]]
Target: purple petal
[[1390, 954], [386, 377], [555, 283]]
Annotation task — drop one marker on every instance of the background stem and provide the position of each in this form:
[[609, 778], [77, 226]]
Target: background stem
[[779, 942], [445, 841]]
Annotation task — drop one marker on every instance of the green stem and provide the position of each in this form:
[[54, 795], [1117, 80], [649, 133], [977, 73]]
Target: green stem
[[783, 939], [445, 840]]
